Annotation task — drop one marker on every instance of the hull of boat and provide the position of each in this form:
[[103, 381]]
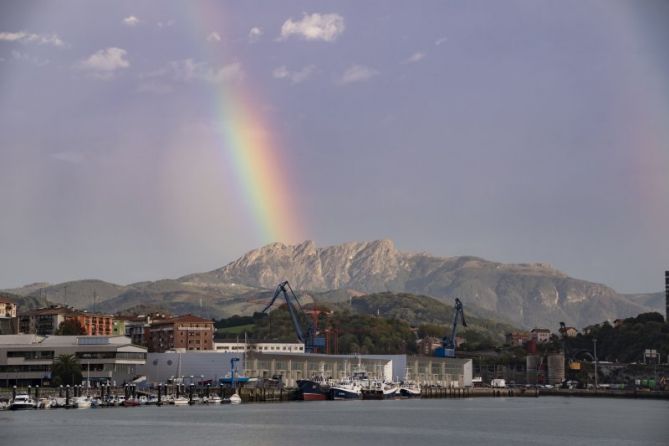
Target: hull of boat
[[409, 393], [338, 393], [21, 406], [372, 394], [390, 393], [312, 391], [314, 397]]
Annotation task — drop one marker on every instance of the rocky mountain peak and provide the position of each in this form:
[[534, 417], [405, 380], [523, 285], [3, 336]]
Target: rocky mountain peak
[[526, 293]]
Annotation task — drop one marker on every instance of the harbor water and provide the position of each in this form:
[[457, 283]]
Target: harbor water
[[476, 421]]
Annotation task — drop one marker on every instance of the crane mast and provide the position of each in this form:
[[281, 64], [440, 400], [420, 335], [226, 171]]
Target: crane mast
[[311, 342], [447, 349]]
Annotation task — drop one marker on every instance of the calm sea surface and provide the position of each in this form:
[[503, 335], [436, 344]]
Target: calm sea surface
[[480, 421]]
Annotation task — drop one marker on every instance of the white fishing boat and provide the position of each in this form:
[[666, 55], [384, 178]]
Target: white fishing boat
[[214, 399], [58, 401], [409, 389], [22, 401], [82, 402], [44, 403], [235, 399], [346, 389], [181, 401], [390, 390]]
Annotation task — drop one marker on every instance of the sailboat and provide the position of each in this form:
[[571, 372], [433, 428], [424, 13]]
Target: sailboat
[[234, 398], [181, 400]]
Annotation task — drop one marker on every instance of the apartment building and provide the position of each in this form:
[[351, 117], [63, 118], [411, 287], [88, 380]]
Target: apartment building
[[185, 332]]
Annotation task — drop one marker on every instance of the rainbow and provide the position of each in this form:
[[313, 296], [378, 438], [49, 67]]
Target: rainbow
[[647, 111], [248, 142], [261, 172]]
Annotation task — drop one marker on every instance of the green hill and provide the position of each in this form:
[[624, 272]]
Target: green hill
[[382, 323], [625, 342]]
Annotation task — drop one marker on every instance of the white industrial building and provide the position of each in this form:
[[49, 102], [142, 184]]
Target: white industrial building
[[211, 366], [28, 359]]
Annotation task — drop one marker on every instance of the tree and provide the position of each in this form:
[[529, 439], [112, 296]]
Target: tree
[[66, 370], [70, 327]]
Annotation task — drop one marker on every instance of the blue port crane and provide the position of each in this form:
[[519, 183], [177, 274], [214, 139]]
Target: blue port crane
[[232, 371], [308, 336], [447, 349]]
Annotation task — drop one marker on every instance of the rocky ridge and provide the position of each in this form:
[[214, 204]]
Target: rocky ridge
[[528, 294]]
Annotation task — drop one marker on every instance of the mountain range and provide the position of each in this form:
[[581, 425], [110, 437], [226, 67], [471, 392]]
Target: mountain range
[[528, 294]]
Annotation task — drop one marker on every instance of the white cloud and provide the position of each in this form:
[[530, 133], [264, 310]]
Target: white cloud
[[415, 57], [131, 21], [295, 77], [214, 37], [316, 26], [440, 40], [255, 34], [39, 39], [281, 72], [357, 73], [69, 157], [166, 24], [25, 57], [189, 70], [104, 63]]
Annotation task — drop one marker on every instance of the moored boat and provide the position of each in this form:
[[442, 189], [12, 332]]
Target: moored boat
[[43, 403], [390, 390], [181, 401], [313, 389], [131, 402], [214, 399], [410, 390], [346, 390], [82, 402], [22, 401]]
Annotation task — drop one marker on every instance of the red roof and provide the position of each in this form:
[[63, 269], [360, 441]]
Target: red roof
[[184, 318]]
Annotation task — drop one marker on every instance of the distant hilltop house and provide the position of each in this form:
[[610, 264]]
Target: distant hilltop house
[[517, 338], [46, 321], [540, 335], [8, 321], [569, 332], [7, 308]]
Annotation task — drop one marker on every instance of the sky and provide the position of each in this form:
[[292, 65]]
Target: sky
[[142, 140]]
